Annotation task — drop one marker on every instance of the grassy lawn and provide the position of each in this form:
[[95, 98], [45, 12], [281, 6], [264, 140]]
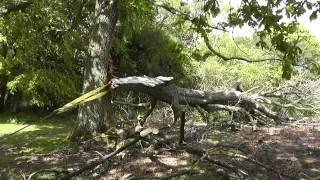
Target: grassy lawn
[[39, 138]]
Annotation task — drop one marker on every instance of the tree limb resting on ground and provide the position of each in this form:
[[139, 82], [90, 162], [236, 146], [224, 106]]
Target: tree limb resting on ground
[[163, 89], [100, 161]]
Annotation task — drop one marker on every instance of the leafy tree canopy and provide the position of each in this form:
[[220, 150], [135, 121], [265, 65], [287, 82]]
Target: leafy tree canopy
[[266, 17], [43, 44]]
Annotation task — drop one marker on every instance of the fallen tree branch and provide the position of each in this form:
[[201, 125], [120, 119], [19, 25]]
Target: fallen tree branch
[[153, 105], [163, 89], [130, 104], [296, 107], [238, 155], [217, 107], [177, 96], [204, 155], [56, 172], [101, 160], [203, 113]]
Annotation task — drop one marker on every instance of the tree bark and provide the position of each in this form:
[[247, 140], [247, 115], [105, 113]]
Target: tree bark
[[95, 117], [2, 98], [3, 78]]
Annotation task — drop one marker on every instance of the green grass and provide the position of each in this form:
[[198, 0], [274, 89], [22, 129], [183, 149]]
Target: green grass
[[41, 137], [7, 128]]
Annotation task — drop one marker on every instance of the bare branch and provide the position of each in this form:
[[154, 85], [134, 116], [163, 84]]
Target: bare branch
[[203, 113], [204, 155], [153, 105], [216, 107], [101, 160], [130, 104], [225, 58], [183, 15]]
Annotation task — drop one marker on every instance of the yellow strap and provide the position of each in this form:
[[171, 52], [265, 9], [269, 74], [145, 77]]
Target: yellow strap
[[89, 96]]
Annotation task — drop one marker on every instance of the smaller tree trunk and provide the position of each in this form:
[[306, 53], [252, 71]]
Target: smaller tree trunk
[[182, 123], [3, 91]]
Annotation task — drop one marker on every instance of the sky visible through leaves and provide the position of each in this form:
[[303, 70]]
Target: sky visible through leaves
[[313, 26]]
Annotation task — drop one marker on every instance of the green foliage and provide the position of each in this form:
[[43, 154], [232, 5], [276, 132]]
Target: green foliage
[[215, 75], [44, 52], [134, 16], [43, 46], [139, 48], [154, 53], [309, 48], [38, 138], [266, 17], [44, 86]]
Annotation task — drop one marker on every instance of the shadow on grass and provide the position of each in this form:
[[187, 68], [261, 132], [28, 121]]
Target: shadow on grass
[[39, 138], [33, 118]]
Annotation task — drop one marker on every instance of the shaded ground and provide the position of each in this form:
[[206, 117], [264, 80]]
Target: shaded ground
[[292, 151], [21, 152]]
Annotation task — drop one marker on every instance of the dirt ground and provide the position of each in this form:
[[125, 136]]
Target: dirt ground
[[284, 152]]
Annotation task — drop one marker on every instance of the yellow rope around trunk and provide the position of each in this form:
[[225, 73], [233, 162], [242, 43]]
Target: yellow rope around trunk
[[89, 96]]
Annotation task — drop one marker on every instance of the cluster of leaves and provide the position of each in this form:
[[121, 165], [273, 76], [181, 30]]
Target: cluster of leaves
[[154, 53], [216, 74], [268, 17], [140, 47], [43, 52], [44, 45], [299, 95]]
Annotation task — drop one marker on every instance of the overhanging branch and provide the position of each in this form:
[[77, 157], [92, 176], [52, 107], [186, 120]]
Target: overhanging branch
[[225, 58], [183, 15], [187, 17]]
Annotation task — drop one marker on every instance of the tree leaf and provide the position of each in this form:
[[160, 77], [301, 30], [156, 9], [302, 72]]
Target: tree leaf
[[313, 15]]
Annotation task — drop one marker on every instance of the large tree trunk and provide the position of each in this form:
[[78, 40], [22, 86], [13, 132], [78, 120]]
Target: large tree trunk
[[94, 117]]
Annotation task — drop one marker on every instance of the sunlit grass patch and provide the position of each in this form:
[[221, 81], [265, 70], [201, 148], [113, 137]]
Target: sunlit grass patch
[[6, 128], [20, 150], [39, 138]]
